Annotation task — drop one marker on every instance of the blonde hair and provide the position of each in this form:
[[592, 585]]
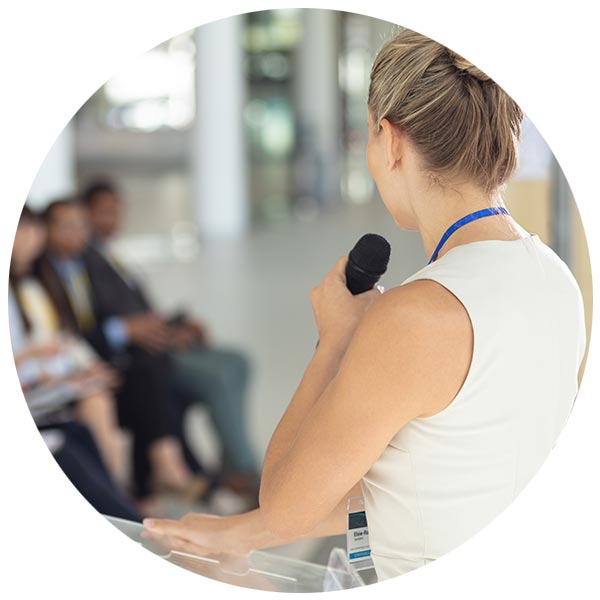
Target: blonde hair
[[459, 120]]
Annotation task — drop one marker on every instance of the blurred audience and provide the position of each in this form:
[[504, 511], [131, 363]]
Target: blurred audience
[[48, 359], [147, 401], [64, 382], [216, 376]]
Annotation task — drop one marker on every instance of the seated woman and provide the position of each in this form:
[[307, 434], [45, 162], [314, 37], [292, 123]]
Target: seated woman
[[62, 377], [63, 384]]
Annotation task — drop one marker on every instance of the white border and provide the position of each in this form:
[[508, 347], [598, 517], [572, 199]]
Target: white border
[[55, 54]]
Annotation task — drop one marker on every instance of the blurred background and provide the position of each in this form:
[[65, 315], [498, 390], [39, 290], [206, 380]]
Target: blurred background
[[239, 151]]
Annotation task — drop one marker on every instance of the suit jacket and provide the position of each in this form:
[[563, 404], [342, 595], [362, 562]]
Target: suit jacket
[[114, 294]]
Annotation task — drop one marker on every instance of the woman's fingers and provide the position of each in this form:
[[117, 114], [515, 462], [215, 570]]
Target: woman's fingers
[[229, 560], [165, 542], [183, 545], [164, 537], [339, 269], [166, 527], [236, 564], [156, 541]]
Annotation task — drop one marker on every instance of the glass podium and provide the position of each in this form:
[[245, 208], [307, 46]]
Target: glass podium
[[259, 570]]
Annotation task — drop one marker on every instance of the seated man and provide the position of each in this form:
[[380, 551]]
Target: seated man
[[219, 376]]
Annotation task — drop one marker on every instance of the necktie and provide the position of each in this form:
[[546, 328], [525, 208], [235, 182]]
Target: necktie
[[78, 290]]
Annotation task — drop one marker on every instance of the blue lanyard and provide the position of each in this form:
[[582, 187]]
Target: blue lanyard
[[478, 214]]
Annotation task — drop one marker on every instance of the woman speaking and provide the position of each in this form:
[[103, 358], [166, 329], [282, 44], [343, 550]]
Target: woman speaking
[[439, 399]]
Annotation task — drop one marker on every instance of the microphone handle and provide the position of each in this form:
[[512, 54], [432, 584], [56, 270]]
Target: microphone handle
[[358, 280]]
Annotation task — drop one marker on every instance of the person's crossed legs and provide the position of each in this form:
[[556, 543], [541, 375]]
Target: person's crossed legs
[[219, 378]]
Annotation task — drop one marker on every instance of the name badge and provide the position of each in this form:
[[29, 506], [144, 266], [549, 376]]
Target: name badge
[[357, 535]]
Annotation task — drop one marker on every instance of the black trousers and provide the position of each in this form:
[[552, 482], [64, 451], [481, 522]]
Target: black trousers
[[152, 406], [82, 463]]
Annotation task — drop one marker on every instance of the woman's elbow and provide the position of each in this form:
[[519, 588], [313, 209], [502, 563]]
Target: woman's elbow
[[284, 519]]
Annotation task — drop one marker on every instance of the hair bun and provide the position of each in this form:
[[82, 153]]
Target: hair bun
[[462, 64], [461, 124]]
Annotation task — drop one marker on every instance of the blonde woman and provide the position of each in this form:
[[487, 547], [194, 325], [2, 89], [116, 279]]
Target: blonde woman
[[438, 399]]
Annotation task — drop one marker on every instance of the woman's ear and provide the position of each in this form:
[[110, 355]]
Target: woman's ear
[[394, 143]]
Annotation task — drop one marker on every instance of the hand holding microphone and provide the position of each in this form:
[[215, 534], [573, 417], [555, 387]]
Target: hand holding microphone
[[346, 292]]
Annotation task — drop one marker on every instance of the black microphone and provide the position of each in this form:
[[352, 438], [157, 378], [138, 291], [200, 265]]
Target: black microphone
[[367, 262]]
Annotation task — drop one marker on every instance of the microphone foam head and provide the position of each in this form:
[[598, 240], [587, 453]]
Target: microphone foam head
[[371, 253]]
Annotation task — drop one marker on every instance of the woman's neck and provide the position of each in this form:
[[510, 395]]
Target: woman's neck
[[435, 211]]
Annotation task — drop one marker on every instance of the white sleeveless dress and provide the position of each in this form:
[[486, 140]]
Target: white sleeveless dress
[[443, 478]]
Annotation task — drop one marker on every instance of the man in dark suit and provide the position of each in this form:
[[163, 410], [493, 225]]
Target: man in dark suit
[[218, 376], [146, 401]]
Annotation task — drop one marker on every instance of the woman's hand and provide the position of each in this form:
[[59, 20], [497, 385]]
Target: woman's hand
[[104, 374], [40, 350], [201, 534], [337, 312]]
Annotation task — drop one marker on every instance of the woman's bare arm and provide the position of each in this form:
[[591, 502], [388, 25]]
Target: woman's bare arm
[[334, 524], [201, 534], [407, 359], [317, 376]]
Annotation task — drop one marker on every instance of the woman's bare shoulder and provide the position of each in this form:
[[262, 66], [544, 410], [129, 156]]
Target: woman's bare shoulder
[[423, 299], [429, 333]]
